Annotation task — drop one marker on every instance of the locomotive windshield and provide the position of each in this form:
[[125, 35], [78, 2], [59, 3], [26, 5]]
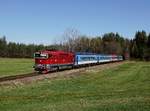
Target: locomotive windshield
[[40, 56]]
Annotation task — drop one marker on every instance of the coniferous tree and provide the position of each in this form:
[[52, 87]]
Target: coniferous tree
[[148, 41], [135, 50], [141, 41], [3, 46]]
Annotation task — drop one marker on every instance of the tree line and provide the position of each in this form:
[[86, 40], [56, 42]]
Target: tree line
[[109, 43], [20, 50]]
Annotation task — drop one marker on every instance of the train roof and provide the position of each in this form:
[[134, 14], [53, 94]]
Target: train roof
[[76, 53], [89, 53]]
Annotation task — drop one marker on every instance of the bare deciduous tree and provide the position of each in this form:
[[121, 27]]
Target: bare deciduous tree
[[70, 39]]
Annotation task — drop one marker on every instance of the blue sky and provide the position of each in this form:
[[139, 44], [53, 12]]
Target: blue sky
[[44, 21]]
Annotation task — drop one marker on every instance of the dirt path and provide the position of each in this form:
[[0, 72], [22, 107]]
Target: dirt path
[[66, 73]]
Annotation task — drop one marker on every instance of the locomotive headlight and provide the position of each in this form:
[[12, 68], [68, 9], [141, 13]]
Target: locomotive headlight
[[47, 65]]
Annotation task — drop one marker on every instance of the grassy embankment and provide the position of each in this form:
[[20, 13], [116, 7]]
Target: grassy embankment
[[9, 66], [125, 88]]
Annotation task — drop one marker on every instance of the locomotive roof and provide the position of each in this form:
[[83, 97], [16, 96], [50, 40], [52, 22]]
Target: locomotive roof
[[53, 51]]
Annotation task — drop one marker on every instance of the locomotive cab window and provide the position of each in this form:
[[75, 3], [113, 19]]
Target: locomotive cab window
[[40, 56]]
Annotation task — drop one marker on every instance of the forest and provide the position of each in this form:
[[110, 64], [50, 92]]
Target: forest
[[110, 43]]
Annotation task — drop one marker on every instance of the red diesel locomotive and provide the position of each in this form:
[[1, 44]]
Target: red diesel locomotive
[[49, 60]]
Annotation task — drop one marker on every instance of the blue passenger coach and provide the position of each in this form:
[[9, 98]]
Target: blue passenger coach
[[85, 58]]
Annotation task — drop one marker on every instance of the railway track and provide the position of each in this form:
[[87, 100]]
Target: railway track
[[69, 71], [21, 76], [7, 78]]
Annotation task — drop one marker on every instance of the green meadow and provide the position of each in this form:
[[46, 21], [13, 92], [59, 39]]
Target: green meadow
[[9, 66], [124, 88]]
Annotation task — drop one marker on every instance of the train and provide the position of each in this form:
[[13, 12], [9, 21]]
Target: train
[[48, 60]]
